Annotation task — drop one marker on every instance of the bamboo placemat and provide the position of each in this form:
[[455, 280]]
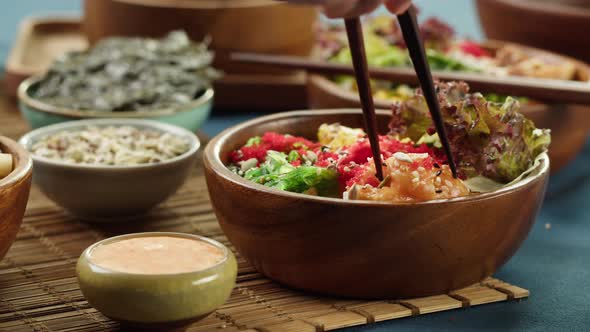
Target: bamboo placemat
[[39, 292]]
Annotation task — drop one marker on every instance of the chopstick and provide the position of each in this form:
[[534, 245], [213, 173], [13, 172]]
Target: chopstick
[[356, 43], [413, 40], [537, 88]]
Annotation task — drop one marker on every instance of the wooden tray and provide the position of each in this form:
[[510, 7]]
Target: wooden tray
[[39, 292], [41, 40]]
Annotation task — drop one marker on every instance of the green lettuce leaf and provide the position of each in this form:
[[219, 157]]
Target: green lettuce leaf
[[488, 139], [440, 61], [379, 53], [277, 172]]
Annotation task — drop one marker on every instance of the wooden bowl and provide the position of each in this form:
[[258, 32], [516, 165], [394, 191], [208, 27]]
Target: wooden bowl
[[565, 27], [14, 192], [261, 26], [569, 123], [364, 249]]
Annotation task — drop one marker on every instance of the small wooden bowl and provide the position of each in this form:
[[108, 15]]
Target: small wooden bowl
[[364, 249], [565, 27], [569, 123], [14, 192], [261, 26]]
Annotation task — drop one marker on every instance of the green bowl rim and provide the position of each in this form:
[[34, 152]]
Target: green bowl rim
[[95, 267], [24, 96], [33, 135]]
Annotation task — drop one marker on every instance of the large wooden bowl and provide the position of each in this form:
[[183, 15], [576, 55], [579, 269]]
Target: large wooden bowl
[[569, 123], [262, 26], [14, 193], [364, 249], [557, 25]]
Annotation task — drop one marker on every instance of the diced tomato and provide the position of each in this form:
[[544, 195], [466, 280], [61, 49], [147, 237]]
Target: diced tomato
[[351, 166], [473, 48], [285, 143], [272, 141]]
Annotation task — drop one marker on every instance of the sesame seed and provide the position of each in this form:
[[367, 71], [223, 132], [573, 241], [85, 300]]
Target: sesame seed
[[402, 157]]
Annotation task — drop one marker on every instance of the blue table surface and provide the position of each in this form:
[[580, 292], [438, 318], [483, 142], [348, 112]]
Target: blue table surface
[[553, 263]]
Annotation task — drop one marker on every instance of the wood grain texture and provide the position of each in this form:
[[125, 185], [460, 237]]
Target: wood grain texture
[[231, 24], [14, 193], [360, 249], [565, 31]]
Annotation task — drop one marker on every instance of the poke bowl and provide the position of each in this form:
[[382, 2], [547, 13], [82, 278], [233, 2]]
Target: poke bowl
[[110, 169], [569, 124], [361, 248], [15, 183]]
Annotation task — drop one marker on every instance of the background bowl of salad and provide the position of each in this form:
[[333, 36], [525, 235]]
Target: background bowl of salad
[[356, 248], [16, 169], [517, 21], [569, 123]]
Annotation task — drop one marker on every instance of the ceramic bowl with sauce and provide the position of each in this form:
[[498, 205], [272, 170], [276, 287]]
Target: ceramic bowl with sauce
[[157, 279], [38, 114], [111, 192], [358, 248], [14, 192]]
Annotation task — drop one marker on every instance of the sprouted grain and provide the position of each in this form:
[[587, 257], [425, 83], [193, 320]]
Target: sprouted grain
[[110, 145]]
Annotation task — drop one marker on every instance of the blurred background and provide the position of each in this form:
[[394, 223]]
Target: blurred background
[[459, 13]]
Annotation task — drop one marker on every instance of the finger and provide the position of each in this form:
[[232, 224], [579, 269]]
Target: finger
[[352, 8], [339, 8], [364, 7], [398, 6]]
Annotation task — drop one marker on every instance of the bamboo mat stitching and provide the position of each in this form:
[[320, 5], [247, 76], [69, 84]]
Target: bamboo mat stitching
[[48, 288]]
